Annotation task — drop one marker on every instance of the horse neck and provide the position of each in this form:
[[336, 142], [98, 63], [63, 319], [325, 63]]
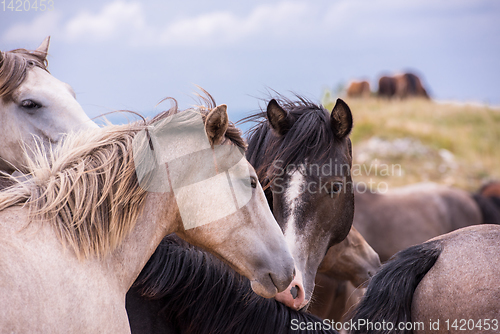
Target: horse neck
[[159, 217], [257, 146]]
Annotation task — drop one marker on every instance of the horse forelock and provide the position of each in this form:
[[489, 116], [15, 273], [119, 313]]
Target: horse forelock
[[310, 139], [86, 187], [14, 66]]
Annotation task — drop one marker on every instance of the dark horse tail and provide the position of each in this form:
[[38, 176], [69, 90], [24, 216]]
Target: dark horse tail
[[490, 208], [389, 295]]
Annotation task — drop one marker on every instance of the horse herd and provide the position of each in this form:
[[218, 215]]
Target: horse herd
[[105, 230], [400, 86]]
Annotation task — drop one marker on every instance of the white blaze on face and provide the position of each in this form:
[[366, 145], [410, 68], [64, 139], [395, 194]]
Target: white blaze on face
[[293, 200]]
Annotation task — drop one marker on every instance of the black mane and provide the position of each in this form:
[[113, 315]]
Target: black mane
[[310, 137], [196, 293]]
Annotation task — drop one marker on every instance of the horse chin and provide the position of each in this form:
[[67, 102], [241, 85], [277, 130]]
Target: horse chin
[[265, 287]]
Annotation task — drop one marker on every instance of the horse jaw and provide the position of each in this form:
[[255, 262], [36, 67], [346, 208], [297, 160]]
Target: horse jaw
[[248, 239]]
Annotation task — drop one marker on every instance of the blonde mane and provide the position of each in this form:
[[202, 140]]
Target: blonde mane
[[14, 66], [87, 187]]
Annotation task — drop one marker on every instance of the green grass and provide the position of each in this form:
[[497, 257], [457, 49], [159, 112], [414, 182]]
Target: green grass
[[471, 133]]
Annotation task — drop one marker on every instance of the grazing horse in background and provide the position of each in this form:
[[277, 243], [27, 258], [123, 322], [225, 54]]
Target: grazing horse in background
[[74, 236], [410, 215], [452, 279], [359, 89], [488, 199], [345, 268], [183, 290], [490, 189], [386, 87], [401, 86], [33, 106], [302, 156]]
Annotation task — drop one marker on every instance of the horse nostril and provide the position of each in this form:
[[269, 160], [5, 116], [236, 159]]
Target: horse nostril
[[294, 291], [370, 274]]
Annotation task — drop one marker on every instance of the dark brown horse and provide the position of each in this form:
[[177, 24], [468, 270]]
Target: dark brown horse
[[410, 215], [359, 89], [490, 189], [446, 285], [401, 86], [209, 297], [488, 199], [184, 290], [302, 155], [341, 275]]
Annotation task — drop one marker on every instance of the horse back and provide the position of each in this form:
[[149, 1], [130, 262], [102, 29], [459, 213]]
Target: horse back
[[463, 283]]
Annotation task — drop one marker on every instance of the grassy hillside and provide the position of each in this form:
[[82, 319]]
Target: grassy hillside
[[445, 143]]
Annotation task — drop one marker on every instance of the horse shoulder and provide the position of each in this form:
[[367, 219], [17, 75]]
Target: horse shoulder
[[47, 287]]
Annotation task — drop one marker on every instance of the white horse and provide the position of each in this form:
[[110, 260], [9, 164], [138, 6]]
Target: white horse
[[74, 237], [33, 106]]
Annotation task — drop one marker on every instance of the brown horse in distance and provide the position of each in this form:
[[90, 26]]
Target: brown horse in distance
[[359, 89], [488, 199], [346, 267], [401, 86], [491, 189]]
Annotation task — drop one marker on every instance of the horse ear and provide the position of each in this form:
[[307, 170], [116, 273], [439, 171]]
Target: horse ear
[[44, 47], [278, 118], [216, 124], [341, 119]]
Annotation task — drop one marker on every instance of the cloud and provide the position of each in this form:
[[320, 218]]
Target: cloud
[[223, 27], [127, 20], [114, 19], [357, 23], [35, 31]]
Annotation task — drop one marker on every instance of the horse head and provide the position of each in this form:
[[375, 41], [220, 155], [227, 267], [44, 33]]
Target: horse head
[[34, 106], [352, 260], [303, 158]]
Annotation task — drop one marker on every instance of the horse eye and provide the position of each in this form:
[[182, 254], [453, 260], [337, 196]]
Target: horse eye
[[336, 188], [30, 104], [253, 182]]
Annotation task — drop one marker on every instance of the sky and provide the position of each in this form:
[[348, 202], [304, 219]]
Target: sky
[[132, 54]]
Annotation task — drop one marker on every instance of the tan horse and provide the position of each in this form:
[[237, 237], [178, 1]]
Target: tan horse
[[33, 106], [74, 237], [345, 269], [446, 285], [359, 89], [410, 215]]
